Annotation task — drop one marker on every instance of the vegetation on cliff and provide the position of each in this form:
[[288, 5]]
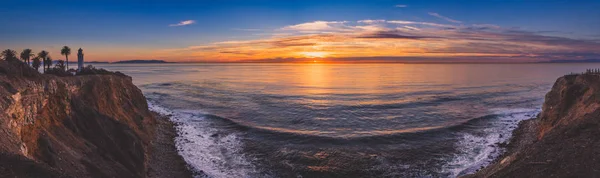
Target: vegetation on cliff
[[66, 51], [60, 68]]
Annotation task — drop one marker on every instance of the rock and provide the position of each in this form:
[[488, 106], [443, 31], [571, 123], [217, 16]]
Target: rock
[[565, 130], [77, 126]]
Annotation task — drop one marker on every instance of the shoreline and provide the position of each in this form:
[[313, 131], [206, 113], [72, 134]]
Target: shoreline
[[562, 140], [164, 160], [522, 136]]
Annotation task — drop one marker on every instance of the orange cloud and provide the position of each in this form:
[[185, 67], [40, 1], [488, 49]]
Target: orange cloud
[[394, 38]]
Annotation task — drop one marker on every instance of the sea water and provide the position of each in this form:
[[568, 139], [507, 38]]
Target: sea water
[[344, 120]]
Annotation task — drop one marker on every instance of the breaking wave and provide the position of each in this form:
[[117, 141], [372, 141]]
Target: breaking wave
[[478, 149], [208, 150]]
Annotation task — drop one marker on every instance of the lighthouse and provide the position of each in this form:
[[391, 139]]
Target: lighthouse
[[80, 59]]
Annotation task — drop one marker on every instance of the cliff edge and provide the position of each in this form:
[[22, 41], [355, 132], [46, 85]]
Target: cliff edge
[[76, 126], [563, 140]]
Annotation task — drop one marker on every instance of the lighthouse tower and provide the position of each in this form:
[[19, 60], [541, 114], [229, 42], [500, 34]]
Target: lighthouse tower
[[80, 59]]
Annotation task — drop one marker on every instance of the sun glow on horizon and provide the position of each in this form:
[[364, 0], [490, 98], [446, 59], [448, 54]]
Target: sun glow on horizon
[[387, 41], [314, 54]]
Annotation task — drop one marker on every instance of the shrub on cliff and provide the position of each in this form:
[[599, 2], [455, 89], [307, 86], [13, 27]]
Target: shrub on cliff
[[59, 69], [58, 72], [91, 70], [17, 68], [60, 64]]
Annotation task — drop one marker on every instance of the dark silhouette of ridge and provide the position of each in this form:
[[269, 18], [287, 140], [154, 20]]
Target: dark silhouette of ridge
[[140, 61], [572, 61]]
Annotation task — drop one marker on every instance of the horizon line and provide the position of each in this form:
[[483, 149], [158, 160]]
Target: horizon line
[[347, 62]]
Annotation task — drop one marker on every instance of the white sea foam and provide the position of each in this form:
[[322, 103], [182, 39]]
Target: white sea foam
[[206, 149], [479, 150]]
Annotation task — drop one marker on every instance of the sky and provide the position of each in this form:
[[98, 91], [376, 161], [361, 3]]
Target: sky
[[306, 30]]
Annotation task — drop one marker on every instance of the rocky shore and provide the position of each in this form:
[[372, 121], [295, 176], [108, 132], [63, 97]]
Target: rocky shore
[[562, 141], [81, 126], [165, 161]]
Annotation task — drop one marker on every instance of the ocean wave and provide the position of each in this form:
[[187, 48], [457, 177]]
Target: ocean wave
[[478, 149], [409, 134], [217, 153], [209, 151]]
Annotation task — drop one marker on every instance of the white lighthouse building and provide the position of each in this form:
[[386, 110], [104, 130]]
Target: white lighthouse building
[[80, 59]]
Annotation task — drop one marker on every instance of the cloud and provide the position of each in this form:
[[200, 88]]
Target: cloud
[[369, 21], [395, 39], [486, 26], [183, 23], [401, 5], [412, 28], [316, 26], [368, 28], [237, 52], [443, 17], [393, 35], [420, 23]]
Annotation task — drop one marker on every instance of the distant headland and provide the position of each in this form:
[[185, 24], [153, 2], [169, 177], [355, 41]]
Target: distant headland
[[135, 61], [97, 62], [140, 61], [573, 61]]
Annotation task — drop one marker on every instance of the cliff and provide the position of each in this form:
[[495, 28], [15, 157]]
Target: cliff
[[77, 126], [563, 140]]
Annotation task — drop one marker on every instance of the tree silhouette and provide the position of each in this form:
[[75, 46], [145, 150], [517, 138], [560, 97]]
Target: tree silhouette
[[66, 51], [36, 63], [9, 55], [26, 54], [48, 61], [43, 55], [60, 64]]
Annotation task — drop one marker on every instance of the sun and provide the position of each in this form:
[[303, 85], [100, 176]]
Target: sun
[[314, 54]]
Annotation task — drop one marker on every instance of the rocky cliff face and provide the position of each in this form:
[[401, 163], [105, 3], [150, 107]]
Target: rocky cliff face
[[573, 99], [563, 141], [81, 126]]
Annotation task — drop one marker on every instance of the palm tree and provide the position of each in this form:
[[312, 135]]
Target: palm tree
[[9, 55], [43, 55], [49, 62], [36, 63], [26, 55], [66, 51]]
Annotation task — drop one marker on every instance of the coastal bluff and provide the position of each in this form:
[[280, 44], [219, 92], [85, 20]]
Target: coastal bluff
[[563, 141], [80, 126]]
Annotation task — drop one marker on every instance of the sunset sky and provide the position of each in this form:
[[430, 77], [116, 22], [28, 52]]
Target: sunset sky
[[306, 30]]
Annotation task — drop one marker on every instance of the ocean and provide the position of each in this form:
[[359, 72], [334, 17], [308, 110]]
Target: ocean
[[344, 120]]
